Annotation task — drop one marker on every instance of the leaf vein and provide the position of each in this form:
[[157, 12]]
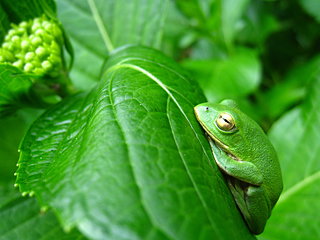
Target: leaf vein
[[100, 24], [130, 162], [165, 88]]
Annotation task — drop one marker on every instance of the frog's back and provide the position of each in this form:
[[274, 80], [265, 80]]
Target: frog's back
[[265, 158], [272, 176]]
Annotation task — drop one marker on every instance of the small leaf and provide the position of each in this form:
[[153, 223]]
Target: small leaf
[[129, 160], [296, 139]]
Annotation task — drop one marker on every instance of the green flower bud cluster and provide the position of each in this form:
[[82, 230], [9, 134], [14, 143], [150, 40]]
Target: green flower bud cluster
[[34, 46]]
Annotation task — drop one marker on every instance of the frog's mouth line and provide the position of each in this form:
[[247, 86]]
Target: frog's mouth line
[[220, 145], [223, 147]]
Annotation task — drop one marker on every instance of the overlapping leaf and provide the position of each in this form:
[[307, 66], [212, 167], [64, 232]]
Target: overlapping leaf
[[129, 160], [228, 77], [96, 27], [296, 138]]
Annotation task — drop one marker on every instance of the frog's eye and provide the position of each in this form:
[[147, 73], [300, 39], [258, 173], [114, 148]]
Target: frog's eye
[[225, 122]]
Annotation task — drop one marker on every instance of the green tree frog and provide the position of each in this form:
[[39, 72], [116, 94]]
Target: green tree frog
[[246, 157]]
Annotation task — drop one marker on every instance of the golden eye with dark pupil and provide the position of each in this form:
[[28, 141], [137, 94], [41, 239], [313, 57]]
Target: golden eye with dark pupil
[[225, 122]]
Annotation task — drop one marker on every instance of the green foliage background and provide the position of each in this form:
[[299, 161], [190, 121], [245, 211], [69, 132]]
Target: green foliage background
[[264, 54]]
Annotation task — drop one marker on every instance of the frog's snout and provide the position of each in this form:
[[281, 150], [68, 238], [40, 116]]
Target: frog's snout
[[201, 108]]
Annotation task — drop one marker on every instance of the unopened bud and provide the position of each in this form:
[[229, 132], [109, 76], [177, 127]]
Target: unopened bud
[[25, 44], [28, 67], [35, 26], [11, 32], [41, 52], [18, 63], [20, 31], [46, 65], [23, 24], [45, 24], [36, 41], [15, 39], [40, 32], [29, 56], [34, 46]]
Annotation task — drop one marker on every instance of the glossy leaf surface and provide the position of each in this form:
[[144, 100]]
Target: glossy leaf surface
[[129, 160]]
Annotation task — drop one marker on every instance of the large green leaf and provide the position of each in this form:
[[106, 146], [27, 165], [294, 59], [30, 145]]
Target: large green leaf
[[129, 160], [296, 138], [21, 218], [108, 25]]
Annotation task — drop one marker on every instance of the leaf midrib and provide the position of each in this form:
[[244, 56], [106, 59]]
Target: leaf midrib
[[102, 29], [155, 225], [164, 87]]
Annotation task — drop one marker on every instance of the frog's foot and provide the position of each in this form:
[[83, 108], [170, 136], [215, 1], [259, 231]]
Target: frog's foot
[[252, 202]]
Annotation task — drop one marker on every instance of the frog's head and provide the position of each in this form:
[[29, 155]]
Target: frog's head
[[228, 126]]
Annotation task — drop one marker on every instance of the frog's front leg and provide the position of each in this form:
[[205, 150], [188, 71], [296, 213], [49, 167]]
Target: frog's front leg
[[245, 171], [253, 204]]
